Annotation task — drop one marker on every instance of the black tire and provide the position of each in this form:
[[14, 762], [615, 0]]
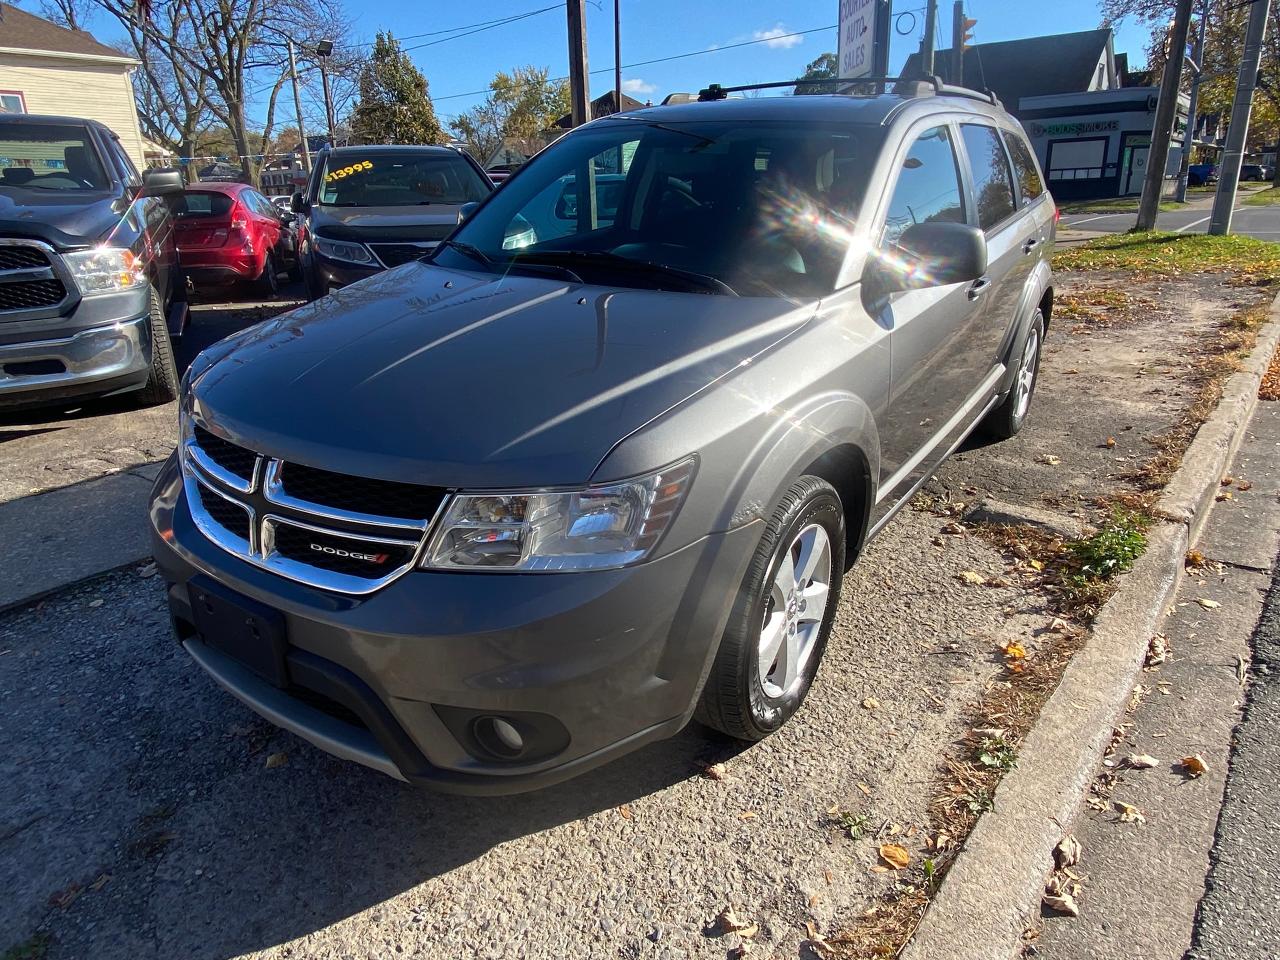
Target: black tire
[[162, 384], [1007, 419], [295, 269], [735, 700], [267, 286]]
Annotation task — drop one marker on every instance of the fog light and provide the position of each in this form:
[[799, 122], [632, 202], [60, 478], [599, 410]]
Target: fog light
[[498, 736]]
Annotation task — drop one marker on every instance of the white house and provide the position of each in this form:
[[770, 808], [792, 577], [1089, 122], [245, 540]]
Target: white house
[[45, 68]]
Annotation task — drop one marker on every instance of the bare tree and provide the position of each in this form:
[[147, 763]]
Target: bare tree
[[73, 14]]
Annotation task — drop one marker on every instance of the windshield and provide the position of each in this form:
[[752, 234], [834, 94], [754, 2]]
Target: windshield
[[399, 180], [762, 209], [40, 156], [194, 204]]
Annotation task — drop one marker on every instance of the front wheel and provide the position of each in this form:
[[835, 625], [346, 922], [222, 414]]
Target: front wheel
[[267, 285], [1006, 420], [781, 618], [162, 384]]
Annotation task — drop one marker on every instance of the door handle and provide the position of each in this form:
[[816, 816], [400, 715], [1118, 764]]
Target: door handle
[[1031, 245], [979, 287]]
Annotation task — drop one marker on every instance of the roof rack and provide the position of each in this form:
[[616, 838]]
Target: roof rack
[[926, 85]]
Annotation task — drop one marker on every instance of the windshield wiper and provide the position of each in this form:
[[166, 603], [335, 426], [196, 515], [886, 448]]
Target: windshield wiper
[[475, 253], [469, 250], [606, 259]]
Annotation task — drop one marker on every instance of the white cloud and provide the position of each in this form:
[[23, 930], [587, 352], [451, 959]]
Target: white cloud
[[635, 86], [777, 39]]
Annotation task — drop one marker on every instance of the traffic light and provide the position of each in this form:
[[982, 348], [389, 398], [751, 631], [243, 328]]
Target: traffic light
[[966, 31]]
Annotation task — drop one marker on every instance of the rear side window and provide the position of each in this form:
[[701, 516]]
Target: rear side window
[[928, 187], [194, 204], [1024, 166], [992, 179]]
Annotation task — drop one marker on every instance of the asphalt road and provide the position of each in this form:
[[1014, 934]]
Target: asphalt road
[[1239, 912], [1260, 222]]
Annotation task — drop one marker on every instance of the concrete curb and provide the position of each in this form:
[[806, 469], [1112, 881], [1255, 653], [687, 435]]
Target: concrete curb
[[992, 891]]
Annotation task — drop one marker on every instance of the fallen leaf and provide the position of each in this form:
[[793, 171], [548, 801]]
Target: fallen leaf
[[102, 881], [1195, 558], [96, 603], [747, 815], [1228, 480], [973, 577], [1208, 604], [1048, 459], [881, 868], [277, 760], [1243, 485], [895, 855], [729, 922], [953, 528], [815, 940], [65, 897], [624, 811], [1109, 442], [1141, 761], [1014, 650], [148, 571], [1067, 852], [826, 875], [1035, 564], [716, 771], [864, 788], [1224, 495], [1062, 903], [1157, 650], [871, 703], [1129, 813], [1194, 765]]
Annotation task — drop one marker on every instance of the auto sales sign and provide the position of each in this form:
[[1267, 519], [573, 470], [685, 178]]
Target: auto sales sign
[[857, 37]]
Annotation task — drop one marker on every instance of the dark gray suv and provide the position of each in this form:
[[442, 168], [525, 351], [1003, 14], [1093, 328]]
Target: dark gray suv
[[487, 521]]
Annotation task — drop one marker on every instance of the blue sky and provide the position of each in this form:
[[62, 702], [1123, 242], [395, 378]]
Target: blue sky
[[653, 29]]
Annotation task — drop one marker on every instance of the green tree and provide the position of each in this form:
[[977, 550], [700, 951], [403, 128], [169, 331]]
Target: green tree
[[826, 67], [394, 104], [522, 106]]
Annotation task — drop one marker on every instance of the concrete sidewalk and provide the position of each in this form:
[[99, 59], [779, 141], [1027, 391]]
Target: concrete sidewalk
[[59, 537]]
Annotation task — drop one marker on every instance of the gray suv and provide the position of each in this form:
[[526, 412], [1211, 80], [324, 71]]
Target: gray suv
[[486, 521]]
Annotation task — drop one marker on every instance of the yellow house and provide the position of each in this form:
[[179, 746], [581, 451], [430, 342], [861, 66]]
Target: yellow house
[[45, 68]]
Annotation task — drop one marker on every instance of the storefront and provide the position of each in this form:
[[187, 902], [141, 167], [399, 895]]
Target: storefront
[[1095, 144]]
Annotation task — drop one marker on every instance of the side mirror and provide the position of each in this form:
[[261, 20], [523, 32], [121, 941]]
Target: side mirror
[[298, 203], [467, 209], [932, 254], [162, 183]]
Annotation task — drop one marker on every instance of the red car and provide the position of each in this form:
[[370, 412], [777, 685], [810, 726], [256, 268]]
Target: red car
[[229, 232]]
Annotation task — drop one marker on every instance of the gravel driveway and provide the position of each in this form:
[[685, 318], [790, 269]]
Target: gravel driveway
[[148, 815]]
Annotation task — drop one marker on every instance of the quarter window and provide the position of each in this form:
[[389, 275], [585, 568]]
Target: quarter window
[[928, 187], [992, 179], [1024, 165]]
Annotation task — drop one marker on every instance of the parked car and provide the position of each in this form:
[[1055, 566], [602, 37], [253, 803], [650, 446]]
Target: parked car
[[494, 518], [1252, 172], [1202, 174], [370, 208], [231, 233], [283, 204], [91, 293]]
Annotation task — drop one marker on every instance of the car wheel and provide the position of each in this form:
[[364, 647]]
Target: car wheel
[[267, 286], [162, 384], [1006, 420], [781, 618]]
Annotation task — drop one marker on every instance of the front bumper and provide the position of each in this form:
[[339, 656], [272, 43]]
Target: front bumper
[[108, 358], [609, 659], [325, 275]]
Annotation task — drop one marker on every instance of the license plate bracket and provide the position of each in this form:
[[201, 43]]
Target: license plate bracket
[[249, 632]]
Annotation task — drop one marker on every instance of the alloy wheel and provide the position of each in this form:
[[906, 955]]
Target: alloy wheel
[[794, 611]]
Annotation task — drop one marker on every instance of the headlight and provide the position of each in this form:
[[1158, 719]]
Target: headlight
[[105, 270], [344, 250], [598, 527]]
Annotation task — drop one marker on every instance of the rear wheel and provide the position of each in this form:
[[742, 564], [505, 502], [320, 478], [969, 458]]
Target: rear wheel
[[782, 617], [1006, 420], [295, 268], [267, 285], [162, 384]]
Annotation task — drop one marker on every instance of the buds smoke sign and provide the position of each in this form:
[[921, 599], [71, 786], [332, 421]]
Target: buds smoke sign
[[857, 37]]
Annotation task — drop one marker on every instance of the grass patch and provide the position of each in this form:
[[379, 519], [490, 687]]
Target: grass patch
[[1246, 259], [1263, 198], [1089, 565], [1116, 205], [35, 947]]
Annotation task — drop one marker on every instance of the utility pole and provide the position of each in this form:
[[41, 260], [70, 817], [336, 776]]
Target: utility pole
[[328, 100], [297, 106], [1166, 113], [928, 43], [957, 44], [880, 42], [1184, 167], [1224, 200], [617, 54], [579, 96]]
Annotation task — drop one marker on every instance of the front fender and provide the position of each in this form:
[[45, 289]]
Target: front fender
[[1033, 292]]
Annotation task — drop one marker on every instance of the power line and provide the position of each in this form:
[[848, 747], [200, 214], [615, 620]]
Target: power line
[[646, 63], [483, 28]]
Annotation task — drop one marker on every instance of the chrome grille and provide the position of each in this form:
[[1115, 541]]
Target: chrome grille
[[32, 279], [329, 530], [394, 254]]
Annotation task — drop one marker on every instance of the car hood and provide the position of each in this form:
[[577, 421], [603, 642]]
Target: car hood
[[385, 223], [457, 379], [76, 217]]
